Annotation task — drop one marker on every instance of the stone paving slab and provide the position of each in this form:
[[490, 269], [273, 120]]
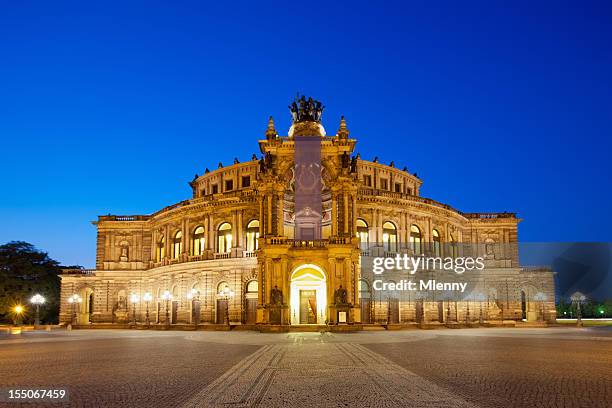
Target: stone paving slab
[[321, 375]]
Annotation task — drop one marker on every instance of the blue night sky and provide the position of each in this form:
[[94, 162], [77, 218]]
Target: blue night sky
[[113, 108]]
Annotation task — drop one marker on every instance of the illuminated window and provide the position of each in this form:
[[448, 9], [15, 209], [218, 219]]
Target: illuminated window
[[252, 235], [246, 181], [198, 241], [389, 237], [436, 242], [177, 245], [224, 237], [252, 286], [415, 240], [362, 232], [160, 249]]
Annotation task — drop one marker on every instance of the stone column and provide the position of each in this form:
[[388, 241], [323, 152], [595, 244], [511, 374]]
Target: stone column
[[269, 212], [262, 221], [240, 237], [354, 214], [167, 245], [346, 212], [279, 216], [334, 224], [186, 236], [211, 233]]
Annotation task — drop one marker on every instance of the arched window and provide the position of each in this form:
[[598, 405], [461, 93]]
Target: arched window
[[224, 237], [363, 288], [252, 286], [177, 245], [436, 242], [453, 247], [223, 289], [252, 234], [415, 240], [389, 237], [362, 232], [160, 249], [198, 241]]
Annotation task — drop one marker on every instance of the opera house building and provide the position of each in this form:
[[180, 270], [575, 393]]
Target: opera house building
[[284, 240]]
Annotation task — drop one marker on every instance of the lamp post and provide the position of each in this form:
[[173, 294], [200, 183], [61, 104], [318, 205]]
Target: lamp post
[[194, 296], [37, 300], [578, 298], [147, 298], [167, 296], [74, 300], [226, 293], [134, 300]]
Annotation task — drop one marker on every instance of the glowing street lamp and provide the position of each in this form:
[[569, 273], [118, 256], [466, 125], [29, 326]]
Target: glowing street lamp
[[134, 300], [74, 300], [18, 311], [147, 298], [37, 300], [167, 296]]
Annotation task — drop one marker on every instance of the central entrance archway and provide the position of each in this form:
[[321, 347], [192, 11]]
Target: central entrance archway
[[308, 295]]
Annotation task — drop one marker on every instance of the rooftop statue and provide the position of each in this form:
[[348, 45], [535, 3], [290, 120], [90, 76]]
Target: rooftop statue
[[303, 109]]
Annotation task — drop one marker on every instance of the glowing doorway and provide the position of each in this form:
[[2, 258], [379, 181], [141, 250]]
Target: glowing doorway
[[308, 295]]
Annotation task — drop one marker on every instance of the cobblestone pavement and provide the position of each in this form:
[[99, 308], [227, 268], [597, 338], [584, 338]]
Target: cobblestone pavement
[[421, 368]]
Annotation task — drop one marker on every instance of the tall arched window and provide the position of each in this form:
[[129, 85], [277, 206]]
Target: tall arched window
[[177, 245], [389, 237], [198, 241], [252, 234], [415, 240], [436, 242], [362, 232], [224, 237], [160, 249]]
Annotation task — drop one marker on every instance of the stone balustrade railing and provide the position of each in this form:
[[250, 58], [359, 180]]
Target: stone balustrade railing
[[77, 271]]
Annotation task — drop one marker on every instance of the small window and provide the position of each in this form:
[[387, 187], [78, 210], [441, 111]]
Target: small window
[[246, 181], [367, 181], [229, 185], [384, 184], [398, 188], [203, 192], [215, 189], [409, 191]]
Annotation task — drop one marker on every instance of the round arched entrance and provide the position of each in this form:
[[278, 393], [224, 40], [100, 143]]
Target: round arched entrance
[[308, 295]]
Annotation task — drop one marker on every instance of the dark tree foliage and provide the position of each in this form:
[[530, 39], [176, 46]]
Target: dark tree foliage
[[25, 271]]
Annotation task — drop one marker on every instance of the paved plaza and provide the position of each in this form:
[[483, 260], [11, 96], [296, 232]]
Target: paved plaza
[[421, 368]]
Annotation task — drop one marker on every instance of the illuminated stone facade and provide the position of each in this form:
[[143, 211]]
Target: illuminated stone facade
[[230, 252]]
